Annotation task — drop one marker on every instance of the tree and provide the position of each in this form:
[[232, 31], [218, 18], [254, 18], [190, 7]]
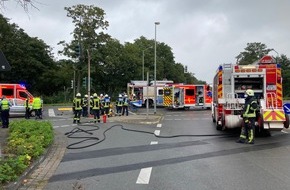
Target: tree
[[253, 52], [23, 3], [31, 60], [88, 34], [285, 65]]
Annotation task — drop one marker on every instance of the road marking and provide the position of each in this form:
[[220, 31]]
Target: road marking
[[159, 125], [144, 176], [157, 132], [145, 173], [64, 109], [51, 113]]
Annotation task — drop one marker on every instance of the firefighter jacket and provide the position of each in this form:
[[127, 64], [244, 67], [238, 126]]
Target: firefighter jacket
[[250, 107], [95, 103], [77, 103], [120, 102], [126, 102], [107, 102]]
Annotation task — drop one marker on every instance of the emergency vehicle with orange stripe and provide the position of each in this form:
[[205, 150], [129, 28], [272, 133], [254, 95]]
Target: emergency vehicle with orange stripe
[[184, 96], [229, 85]]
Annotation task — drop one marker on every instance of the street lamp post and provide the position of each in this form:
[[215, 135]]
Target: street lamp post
[[89, 80], [143, 55], [155, 88]]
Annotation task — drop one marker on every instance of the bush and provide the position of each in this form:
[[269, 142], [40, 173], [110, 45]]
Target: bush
[[27, 141]]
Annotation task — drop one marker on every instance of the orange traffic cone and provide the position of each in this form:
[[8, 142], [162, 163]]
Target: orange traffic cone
[[104, 118]]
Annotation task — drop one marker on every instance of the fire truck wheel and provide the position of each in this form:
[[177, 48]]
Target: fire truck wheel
[[286, 122]]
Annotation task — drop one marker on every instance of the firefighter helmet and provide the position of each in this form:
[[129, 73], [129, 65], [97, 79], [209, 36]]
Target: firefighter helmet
[[78, 95], [250, 92], [86, 96], [95, 95], [120, 95]]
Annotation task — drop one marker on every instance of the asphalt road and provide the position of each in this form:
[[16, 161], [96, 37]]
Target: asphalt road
[[188, 154]]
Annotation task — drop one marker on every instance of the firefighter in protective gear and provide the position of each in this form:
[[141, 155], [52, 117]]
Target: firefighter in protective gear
[[125, 105], [249, 118], [96, 105], [107, 103], [85, 106], [77, 107], [119, 105]]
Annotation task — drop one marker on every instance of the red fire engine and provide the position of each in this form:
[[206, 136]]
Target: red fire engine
[[229, 85], [186, 96]]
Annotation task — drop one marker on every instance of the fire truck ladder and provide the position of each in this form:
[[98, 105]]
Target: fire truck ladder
[[271, 101], [232, 102]]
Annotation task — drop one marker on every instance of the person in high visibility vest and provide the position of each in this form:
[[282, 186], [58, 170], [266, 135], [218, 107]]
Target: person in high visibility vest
[[77, 108], [119, 105], [125, 105], [85, 106], [96, 105], [249, 118], [5, 108], [37, 107], [107, 102], [27, 108]]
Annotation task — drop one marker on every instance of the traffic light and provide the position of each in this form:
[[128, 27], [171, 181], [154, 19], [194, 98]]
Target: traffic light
[[72, 84], [78, 50], [185, 69], [85, 82]]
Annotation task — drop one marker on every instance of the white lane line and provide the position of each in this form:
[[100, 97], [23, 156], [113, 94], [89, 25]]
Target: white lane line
[[51, 113], [159, 125], [145, 173], [144, 176]]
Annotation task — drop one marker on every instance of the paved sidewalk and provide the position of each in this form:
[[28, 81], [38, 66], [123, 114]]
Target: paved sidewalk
[[37, 176]]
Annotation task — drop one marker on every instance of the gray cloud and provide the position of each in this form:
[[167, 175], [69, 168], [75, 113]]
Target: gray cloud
[[202, 34]]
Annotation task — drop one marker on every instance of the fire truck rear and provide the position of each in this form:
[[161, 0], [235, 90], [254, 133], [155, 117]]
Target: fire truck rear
[[229, 85], [184, 96]]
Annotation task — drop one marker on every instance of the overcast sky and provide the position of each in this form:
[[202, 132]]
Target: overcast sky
[[202, 33]]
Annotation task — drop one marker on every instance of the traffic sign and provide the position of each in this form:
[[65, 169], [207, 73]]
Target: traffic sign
[[286, 108]]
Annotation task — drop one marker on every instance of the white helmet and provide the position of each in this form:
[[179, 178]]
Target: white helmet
[[120, 95], [106, 95], [250, 92], [78, 95], [101, 95], [86, 96], [125, 95], [95, 95]]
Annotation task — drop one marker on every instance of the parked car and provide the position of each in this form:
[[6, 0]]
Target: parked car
[[17, 109]]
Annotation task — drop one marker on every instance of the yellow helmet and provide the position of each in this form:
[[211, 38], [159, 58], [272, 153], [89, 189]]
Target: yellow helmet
[[250, 92]]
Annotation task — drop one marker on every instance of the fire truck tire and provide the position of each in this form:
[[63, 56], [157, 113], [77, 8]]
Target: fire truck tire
[[222, 126], [286, 122], [259, 130]]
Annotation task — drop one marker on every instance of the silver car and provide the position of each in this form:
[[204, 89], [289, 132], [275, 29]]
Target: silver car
[[18, 108]]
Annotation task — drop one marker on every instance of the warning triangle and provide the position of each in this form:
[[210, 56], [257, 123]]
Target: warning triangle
[[4, 65]]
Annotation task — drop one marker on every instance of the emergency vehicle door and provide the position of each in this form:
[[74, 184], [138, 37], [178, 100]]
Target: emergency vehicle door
[[177, 97], [182, 96], [200, 96]]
